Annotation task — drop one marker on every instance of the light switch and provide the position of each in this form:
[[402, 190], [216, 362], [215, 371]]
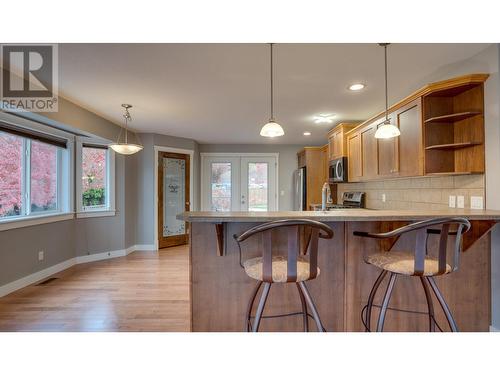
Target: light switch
[[476, 203], [451, 201], [383, 197], [460, 201]]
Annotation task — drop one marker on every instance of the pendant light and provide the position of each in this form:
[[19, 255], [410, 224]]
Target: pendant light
[[386, 130], [126, 148], [272, 128]]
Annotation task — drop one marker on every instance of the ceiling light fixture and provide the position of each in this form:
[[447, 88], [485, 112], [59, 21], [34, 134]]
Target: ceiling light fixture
[[307, 133], [357, 86], [126, 148], [272, 128], [386, 130], [324, 119]]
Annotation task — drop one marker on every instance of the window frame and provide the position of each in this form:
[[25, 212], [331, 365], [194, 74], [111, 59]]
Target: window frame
[[65, 179], [110, 208]]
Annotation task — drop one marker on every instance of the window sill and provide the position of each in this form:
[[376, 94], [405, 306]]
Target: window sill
[[34, 220], [103, 213]]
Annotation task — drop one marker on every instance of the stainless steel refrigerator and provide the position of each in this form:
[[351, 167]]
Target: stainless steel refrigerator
[[299, 189]]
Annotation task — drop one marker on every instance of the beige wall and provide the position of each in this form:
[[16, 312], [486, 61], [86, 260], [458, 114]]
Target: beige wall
[[427, 193]]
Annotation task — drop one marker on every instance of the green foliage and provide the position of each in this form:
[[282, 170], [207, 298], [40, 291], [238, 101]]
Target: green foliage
[[94, 197]]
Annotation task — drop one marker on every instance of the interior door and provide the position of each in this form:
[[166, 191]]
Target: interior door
[[173, 198], [258, 183], [221, 184]]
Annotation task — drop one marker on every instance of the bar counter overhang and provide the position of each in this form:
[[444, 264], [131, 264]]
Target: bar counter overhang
[[220, 289]]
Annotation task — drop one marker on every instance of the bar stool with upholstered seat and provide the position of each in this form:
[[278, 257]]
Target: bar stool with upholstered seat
[[416, 263], [294, 267]]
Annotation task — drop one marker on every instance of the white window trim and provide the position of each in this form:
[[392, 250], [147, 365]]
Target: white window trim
[[110, 209], [65, 175]]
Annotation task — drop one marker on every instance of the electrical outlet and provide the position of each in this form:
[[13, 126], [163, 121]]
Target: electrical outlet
[[476, 203], [41, 255], [460, 201], [383, 197], [451, 201]]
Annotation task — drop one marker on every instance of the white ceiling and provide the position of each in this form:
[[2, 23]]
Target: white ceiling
[[219, 93]]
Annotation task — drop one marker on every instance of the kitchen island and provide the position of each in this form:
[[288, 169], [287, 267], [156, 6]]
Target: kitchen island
[[220, 289]]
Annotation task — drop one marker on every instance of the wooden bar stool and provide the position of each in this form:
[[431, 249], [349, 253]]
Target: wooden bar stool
[[296, 267], [416, 263]]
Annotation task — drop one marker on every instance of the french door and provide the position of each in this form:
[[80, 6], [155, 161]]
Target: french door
[[239, 183]]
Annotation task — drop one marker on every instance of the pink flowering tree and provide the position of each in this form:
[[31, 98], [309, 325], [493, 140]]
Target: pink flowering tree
[[11, 151]]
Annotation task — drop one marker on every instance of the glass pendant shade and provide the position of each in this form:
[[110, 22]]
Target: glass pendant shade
[[126, 148], [272, 129], [387, 130]]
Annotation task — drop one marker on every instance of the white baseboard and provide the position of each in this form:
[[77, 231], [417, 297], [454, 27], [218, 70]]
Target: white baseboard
[[47, 272], [144, 248], [101, 256], [494, 329], [35, 277]]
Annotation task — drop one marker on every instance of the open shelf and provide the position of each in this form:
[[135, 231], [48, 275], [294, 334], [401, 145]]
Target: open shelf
[[452, 146], [453, 117]]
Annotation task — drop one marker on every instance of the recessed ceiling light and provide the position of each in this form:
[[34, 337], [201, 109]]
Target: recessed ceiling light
[[307, 133], [357, 86], [324, 119]]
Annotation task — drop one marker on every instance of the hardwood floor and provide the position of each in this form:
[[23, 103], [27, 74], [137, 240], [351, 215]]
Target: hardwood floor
[[144, 291]]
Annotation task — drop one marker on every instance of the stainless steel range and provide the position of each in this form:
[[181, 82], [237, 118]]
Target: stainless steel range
[[350, 199]]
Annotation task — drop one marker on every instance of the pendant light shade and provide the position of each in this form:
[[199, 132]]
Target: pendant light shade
[[126, 148], [387, 129], [272, 128]]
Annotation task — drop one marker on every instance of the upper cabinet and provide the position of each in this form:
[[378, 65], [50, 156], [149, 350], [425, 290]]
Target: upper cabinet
[[442, 132], [337, 141]]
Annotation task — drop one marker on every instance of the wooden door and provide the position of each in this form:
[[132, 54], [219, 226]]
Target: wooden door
[[369, 159], [335, 145], [354, 157], [409, 121], [173, 198], [388, 153]]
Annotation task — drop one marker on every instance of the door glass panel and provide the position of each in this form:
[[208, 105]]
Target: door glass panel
[[220, 184], [174, 196], [257, 187]]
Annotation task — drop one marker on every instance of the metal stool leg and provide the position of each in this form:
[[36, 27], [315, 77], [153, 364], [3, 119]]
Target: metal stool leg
[[371, 297], [250, 305], [385, 304], [304, 309], [430, 306], [444, 305], [310, 302], [260, 308]]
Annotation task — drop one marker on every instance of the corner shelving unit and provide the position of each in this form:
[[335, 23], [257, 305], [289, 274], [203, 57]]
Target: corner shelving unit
[[454, 130]]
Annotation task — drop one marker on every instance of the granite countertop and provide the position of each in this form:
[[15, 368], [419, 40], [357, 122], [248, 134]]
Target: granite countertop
[[352, 214]]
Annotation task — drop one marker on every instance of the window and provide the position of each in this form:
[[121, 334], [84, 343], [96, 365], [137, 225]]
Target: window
[[95, 178], [35, 172]]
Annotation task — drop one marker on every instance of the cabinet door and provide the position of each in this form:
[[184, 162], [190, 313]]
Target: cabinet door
[[354, 166], [388, 153], [409, 120], [335, 145], [369, 152]]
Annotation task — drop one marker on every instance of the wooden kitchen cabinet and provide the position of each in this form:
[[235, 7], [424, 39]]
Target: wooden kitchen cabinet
[[402, 156], [337, 140], [369, 153], [354, 156], [314, 160]]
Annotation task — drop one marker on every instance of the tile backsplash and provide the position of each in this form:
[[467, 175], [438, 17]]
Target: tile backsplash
[[429, 193]]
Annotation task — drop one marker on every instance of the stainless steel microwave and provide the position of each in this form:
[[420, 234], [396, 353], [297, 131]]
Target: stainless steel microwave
[[337, 170]]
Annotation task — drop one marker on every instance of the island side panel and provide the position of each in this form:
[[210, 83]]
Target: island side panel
[[221, 289], [467, 290]]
